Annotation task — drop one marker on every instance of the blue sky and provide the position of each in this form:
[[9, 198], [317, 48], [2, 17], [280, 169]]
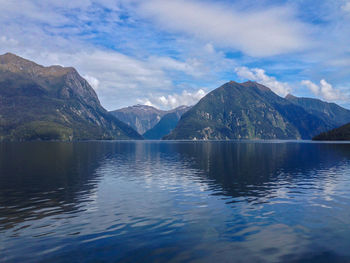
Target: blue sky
[[172, 52]]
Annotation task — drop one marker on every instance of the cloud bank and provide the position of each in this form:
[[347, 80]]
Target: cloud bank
[[255, 32], [174, 100], [324, 90]]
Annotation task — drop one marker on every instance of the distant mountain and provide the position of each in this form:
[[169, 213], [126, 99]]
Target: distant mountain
[[338, 134], [248, 111], [140, 117], [52, 103], [143, 118], [166, 124], [331, 113]]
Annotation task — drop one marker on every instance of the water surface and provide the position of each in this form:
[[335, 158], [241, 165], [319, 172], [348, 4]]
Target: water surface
[[174, 202]]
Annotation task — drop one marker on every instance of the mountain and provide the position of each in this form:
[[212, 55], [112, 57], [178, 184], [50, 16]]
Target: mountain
[[140, 117], [338, 134], [166, 124], [331, 113], [247, 111], [52, 103]]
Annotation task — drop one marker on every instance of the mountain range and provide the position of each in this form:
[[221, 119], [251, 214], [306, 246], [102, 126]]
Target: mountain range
[[52, 103], [252, 111], [56, 103]]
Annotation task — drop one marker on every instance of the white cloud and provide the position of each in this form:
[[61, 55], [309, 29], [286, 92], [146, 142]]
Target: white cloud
[[174, 100], [4, 40], [94, 82], [189, 67], [259, 75], [258, 33], [346, 6], [118, 79], [324, 90], [315, 89]]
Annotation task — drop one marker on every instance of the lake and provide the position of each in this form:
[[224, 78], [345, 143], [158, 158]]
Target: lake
[[141, 201]]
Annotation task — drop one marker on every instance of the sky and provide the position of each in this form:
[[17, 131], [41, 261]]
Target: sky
[[168, 53]]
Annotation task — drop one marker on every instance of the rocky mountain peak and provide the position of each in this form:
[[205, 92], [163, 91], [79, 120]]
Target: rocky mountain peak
[[52, 102], [58, 81], [142, 109], [247, 84], [17, 64], [290, 97], [248, 110], [253, 84]]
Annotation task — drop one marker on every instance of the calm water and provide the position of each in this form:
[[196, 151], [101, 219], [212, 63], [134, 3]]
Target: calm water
[[174, 202]]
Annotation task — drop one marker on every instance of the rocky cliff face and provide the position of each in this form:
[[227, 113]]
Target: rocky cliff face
[[247, 111], [53, 102]]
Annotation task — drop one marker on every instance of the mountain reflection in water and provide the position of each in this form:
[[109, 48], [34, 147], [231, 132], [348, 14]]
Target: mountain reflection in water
[[174, 201]]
